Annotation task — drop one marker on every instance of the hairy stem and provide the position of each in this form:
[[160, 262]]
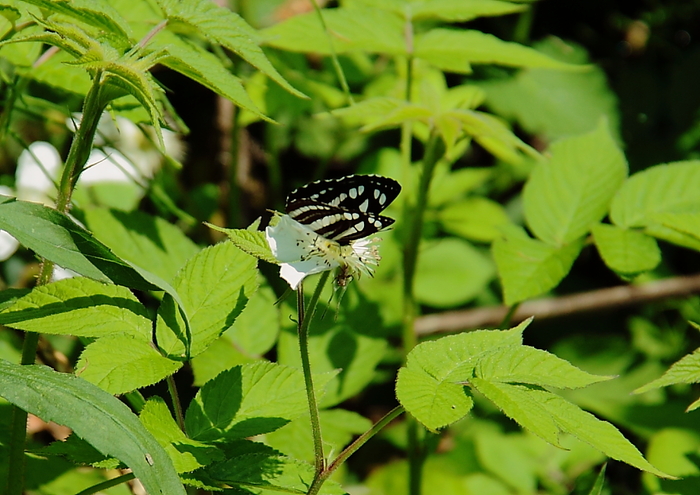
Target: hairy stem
[[305, 315]]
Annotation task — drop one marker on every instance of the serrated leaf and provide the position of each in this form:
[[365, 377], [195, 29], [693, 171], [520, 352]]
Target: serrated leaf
[[205, 68], [248, 400], [565, 196], [214, 287], [223, 27], [528, 267], [475, 218], [451, 272], [78, 451], [523, 404], [94, 415], [96, 13], [249, 241], [56, 237], [686, 370], [525, 364], [120, 364], [432, 390], [361, 28], [555, 103], [600, 435], [258, 468], [186, 454], [453, 50], [434, 404], [648, 195], [79, 306], [143, 239], [626, 251]]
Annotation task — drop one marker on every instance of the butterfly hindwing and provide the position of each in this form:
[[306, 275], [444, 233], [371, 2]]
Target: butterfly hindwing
[[344, 209]]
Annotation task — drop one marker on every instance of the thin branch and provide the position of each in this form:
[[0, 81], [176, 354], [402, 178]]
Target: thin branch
[[597, 300]]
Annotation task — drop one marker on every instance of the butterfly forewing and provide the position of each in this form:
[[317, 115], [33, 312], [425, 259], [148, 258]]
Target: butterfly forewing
[[344, 209]]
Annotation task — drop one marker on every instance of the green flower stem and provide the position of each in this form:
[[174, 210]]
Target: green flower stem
[[509, 316], [434, 150], [305, 315], [108, 484], [77, 157], [352, 448]]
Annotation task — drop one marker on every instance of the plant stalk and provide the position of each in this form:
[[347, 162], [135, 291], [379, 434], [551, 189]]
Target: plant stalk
[[305, 315], [433, 152], [77, 157]]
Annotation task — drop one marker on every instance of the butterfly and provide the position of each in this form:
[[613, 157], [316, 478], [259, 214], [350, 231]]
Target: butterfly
[[344, 209]]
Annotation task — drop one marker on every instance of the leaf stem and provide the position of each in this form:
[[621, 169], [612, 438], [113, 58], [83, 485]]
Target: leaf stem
[[352, 448], [177, 405], [305, 315], [108, 484], [77, 157]]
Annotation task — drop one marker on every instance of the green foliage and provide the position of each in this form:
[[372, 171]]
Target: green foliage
[[94, 415], [148, 300]]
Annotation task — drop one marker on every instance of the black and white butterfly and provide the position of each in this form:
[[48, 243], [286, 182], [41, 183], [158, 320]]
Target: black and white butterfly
[[344, 209]]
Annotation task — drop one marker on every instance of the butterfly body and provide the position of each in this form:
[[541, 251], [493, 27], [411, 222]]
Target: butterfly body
[[344, 209]]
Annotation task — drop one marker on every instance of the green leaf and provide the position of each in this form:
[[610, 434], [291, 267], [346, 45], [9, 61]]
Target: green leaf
[[434, 404], [475, 219], [214, 287], [357, 29], [685, 223], [600, 435], [523, 404], [647, 196], [247, 400], [120, 364], [205, 68], [626, 251], [252, 242], [453, 50], [96, 13], [525, 364], [451, 272], [82, 307], [143, 239], [94, 415], [674, 449], [460, 11], [223, 27], [339, 426], [261, 469], [528, 267], [429, 388], [78, 451], [56, 237], [565, 196], [686, 370], [186, 454], [448, 186], [555, 103]]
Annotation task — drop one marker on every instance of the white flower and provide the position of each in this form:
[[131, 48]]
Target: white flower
[[302, 252]]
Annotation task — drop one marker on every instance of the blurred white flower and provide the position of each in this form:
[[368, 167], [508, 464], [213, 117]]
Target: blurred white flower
[[303, 252], [38, 169], [8, 244]]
